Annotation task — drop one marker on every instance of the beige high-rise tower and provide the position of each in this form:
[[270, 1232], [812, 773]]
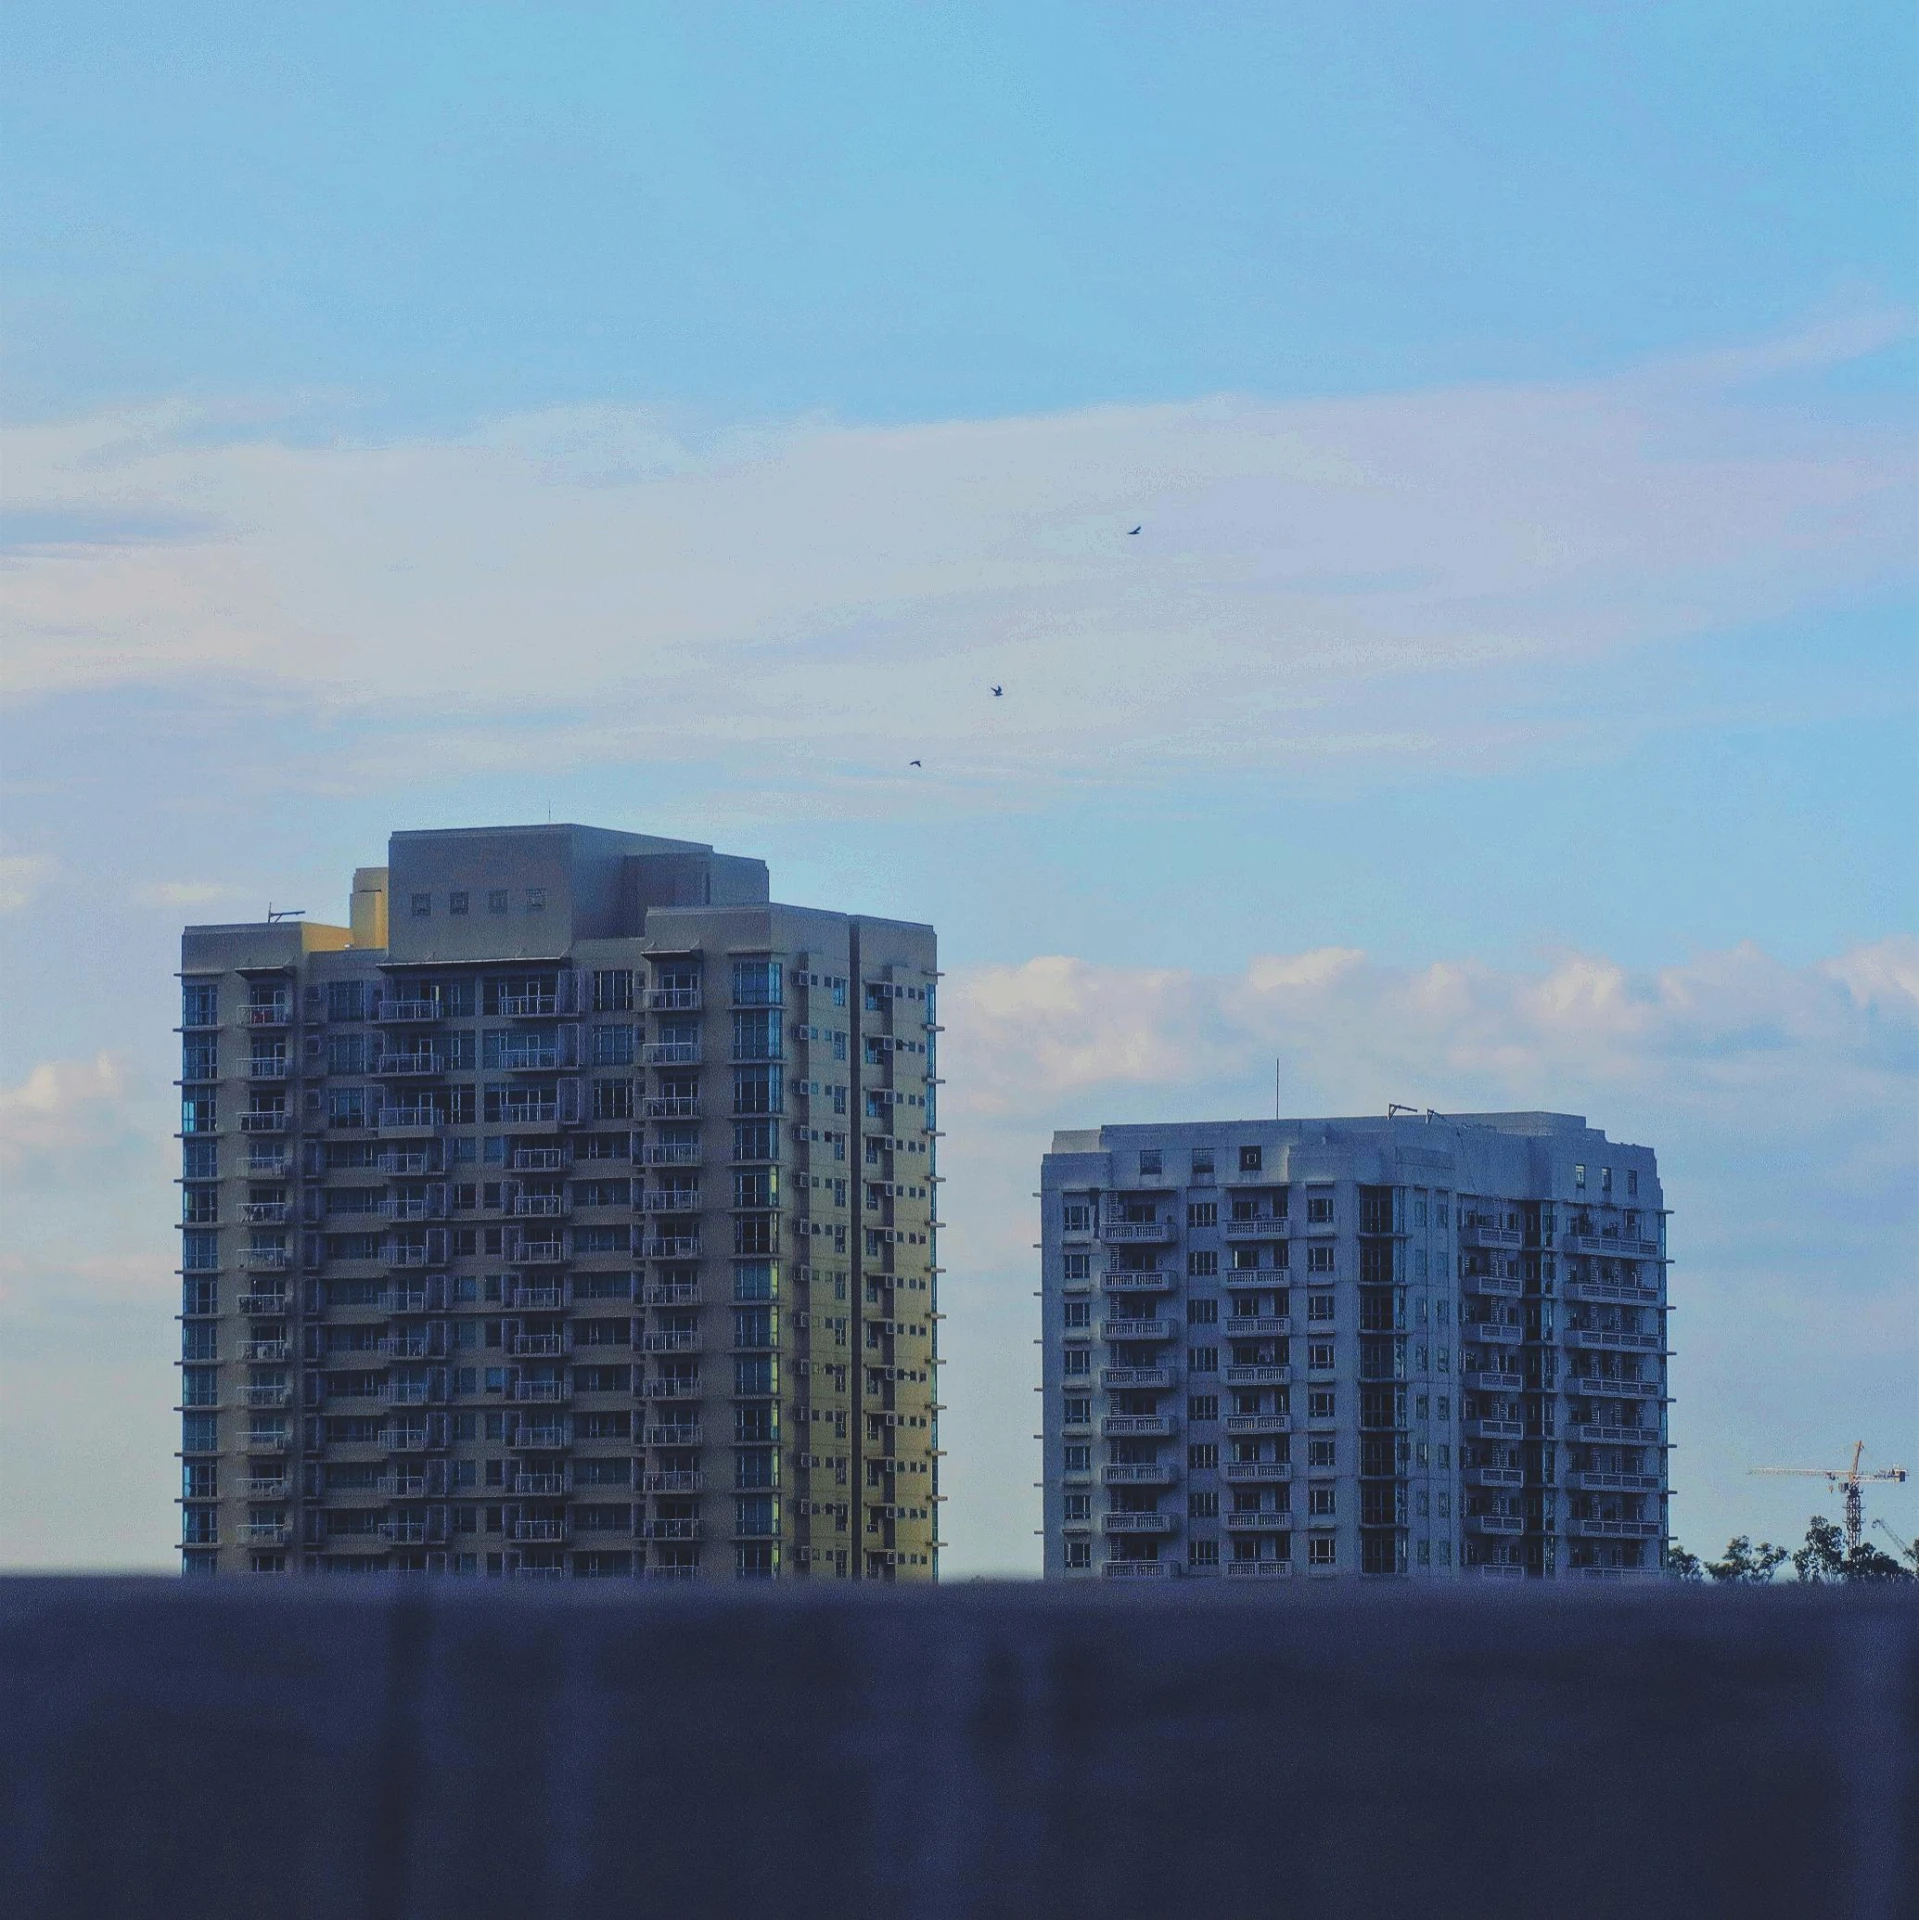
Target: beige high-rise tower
[[570, 1211]]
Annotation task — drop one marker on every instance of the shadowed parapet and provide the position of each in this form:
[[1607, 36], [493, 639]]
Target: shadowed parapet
[[432, 1749]]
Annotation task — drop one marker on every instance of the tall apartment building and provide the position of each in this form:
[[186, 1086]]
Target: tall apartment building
[[1426, 1347], [570, 1211]]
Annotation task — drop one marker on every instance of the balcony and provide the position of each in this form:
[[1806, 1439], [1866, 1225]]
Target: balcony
[[274, 1488], [263, 1123], [1616, 1292], [669, 1200], [682, 1434], [1477, 1235], [1605, 1339], [1259, 1376], [420, 1063], [1256, 1423], [1139, 1474], [267, 1440], [538, 1253], [267, 1013], [265, 1533], [1492, 1333], [1139, 1523], [679, 1153], [1606, 1247], [672, 1293], [1139, 1569], [540, 1483], [1143, 1280], [267, 1067], [671, 1106], [671, 1053], [537, 1295], [528, 1006], [1136, 1232], [541, 1206], [268, 1352], [265, 1213], [674, 1480], [668, 1529], [1157, 1379], [409, 1531], [1483, 1381], [1495, 1477], [526, 1059], [1256, 1326], [1258, 1522], [545, 1528], [412, 1209], [673, 1000], [542, 1392], [1603, 1386], [672, 1246], [1602, 1433], [274, 1301], [538, 1160], [531, 1438], [1493, 1429], [1111, 1330], [266, 1259], [1503, 1286], [1613, 1482], [674, 1342], [413, 1162], [1143, 1426], [1257, 1226], [266, 1396], [540, 1346], [267, 1163], [673, 1387], [405, 1013], [1258, 1569], [409, 1346], [409, 1120], [1613, 1529], [522, 1114], [405, 1254], [1257, 1473], [1495, 1523]]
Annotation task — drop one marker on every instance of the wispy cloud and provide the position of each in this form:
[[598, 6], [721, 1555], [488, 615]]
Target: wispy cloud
[[186, 893], [21, 877], [1351, 579], [61, 1109]]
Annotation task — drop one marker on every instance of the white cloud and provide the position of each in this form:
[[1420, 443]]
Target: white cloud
[[63, 1108], [1317, 580], [21, 877]]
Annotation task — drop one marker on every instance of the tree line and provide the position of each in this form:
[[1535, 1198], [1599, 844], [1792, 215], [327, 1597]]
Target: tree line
[[1823, 1560]]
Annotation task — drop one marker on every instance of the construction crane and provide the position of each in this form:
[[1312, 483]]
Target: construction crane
[[1908, 1550], [1851, 1480]]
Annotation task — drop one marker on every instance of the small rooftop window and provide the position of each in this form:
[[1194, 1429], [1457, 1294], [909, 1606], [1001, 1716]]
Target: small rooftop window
[[422, 905]]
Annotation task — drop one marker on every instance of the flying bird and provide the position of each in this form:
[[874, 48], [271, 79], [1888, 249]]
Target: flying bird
[[912, 763], [1130, 531], [999, 692]]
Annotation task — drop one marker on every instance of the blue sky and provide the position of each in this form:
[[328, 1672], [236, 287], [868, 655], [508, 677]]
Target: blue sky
[[676, 418]]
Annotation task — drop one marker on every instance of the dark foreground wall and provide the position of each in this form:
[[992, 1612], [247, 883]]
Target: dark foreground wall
[[430, 1750]]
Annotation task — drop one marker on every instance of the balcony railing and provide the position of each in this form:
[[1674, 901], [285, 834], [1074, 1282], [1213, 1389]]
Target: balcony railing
[[266, 1396], [673, 1293], [1607, 1339], [1139, 1474], [669, 1529], [672, 1106], [671, 1053], [528, 1006], [669, 1200], [263, 1123], [1608, 1387], [274, 1301], [1137, 1280], [265, 1533], [541, 1346], [1476, 1235], [409, 1120], [1495, 1477], [676, 1246], [1258, 1521], [266, 1259], [539, 1205], [1605, 1434], [1119, 1426], [541, 1485], [531, 1438], [1151, 1232], [1258, 1569], [1139, 1569], [274, 1488], [1505, 1286], [1263, 1375], [1492, 1332], [421, 1062], [537, 1294], [1494, 1429], [539, 1253], [1138, 1523], [1612, 1291], [267, 1013], [545, 1528], [678, 1153], [673, 999], [1127, 1378], [682, 1434], [267, 1067], [400, 1013], [1613, 1482], [272, 1163], [265, 1213], [1256, 1226], [674, 1480], [1613, 1529], [542, 1391], [1484, 1380], [1255, 1326], [270, 1352], [673, 1387], [676, 1342], [1258, 1473], [1501, 1523], [1139, 1330], [1255, 1423], [539, 1160], [1607, 1247]]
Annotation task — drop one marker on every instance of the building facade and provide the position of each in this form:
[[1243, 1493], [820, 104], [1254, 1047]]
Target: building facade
[[1423, 1347], [568, 1212]]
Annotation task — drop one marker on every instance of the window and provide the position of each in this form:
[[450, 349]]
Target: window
[[1077, 1508], [1202, 1163], [1319, 1209], [200, 1159], [1202, 1313], [1076, 1412], [1251, 1159], [1319, 1259], [1149, 1164], [1202, 1456], [612, 1099], [346, 1000], [1605, 1179], [1076, 1360], [1322, 1550], [1202, 1359], [1203, 1213], [1202, 1553], [1079, 1313], [1632, 1181], [1321, 1404], [1322, 1500], [1202, 1506], [757, 1035], [757, 983], [1202, 1266], [757, 1090], [613, 1046], [536, 899], [1079, 1459], [1319, 1356], [1076, 1217], [1320, 1452], [496, 900], [1579, 1176], [1319, 1306], [422, 906], [1076, 1266], [199, 1003], [1202, 1406]]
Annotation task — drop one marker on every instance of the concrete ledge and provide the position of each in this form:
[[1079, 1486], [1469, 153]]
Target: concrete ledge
[[438, 1750]]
